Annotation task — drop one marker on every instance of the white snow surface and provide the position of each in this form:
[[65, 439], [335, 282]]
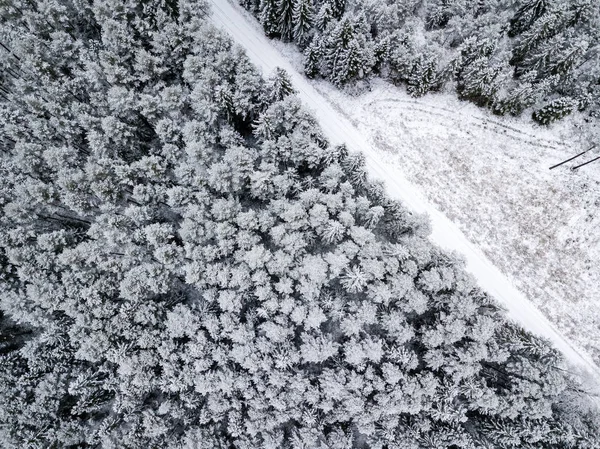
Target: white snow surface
[[383, 165]]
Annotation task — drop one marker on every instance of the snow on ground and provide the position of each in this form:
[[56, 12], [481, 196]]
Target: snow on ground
[[491, 177], [484, 182]]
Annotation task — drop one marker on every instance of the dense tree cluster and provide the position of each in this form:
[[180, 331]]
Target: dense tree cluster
[[503, 54], [186, 263]]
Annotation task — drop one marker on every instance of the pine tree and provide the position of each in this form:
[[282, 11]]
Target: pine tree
[[279, 86], [251, 5], [313, 58], [563, 62], [303, 21], [438, 14], [526, 15], [401, 54], [555, 110], [423, 76], [338, 7], [348, 52], [524, 95], [285, 13], [324, 16], [549, 26], [185, 262], [479, 82], [544, 37], [269, 17]]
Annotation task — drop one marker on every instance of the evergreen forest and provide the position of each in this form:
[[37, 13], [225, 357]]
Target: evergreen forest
[[186, 262], [539, 56]]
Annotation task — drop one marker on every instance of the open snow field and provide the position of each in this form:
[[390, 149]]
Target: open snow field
[[491, 177], [484, 182]]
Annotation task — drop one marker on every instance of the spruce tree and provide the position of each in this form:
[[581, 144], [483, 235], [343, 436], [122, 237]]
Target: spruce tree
[[423, 75], [338, 7], [269, 17], [285, 13], [348, 52], [303, 21], [411, 41], [324, 16], [313, 58], [186, 262], [279, 86], [554, 110], [526, 15], [480, 83]]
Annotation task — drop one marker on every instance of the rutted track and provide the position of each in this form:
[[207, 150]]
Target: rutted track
[[446, 234], [443, 112]]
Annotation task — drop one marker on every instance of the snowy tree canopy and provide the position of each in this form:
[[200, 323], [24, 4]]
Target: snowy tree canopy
[[187, 263], [510, 56]]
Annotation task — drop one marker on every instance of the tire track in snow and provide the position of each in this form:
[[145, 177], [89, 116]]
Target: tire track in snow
[[444, 233], [482, 122]]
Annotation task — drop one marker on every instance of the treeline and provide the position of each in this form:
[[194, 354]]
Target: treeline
[[187, 263], [510, 56]]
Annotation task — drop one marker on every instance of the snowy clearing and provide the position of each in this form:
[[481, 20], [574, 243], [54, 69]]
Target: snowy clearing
[[389, 131], [538, 226]]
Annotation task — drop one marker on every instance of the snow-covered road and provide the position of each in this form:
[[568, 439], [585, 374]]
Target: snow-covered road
[[233, 20]]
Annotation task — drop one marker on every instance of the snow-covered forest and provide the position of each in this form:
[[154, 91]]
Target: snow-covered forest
[[509, 55], [186, 262]]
